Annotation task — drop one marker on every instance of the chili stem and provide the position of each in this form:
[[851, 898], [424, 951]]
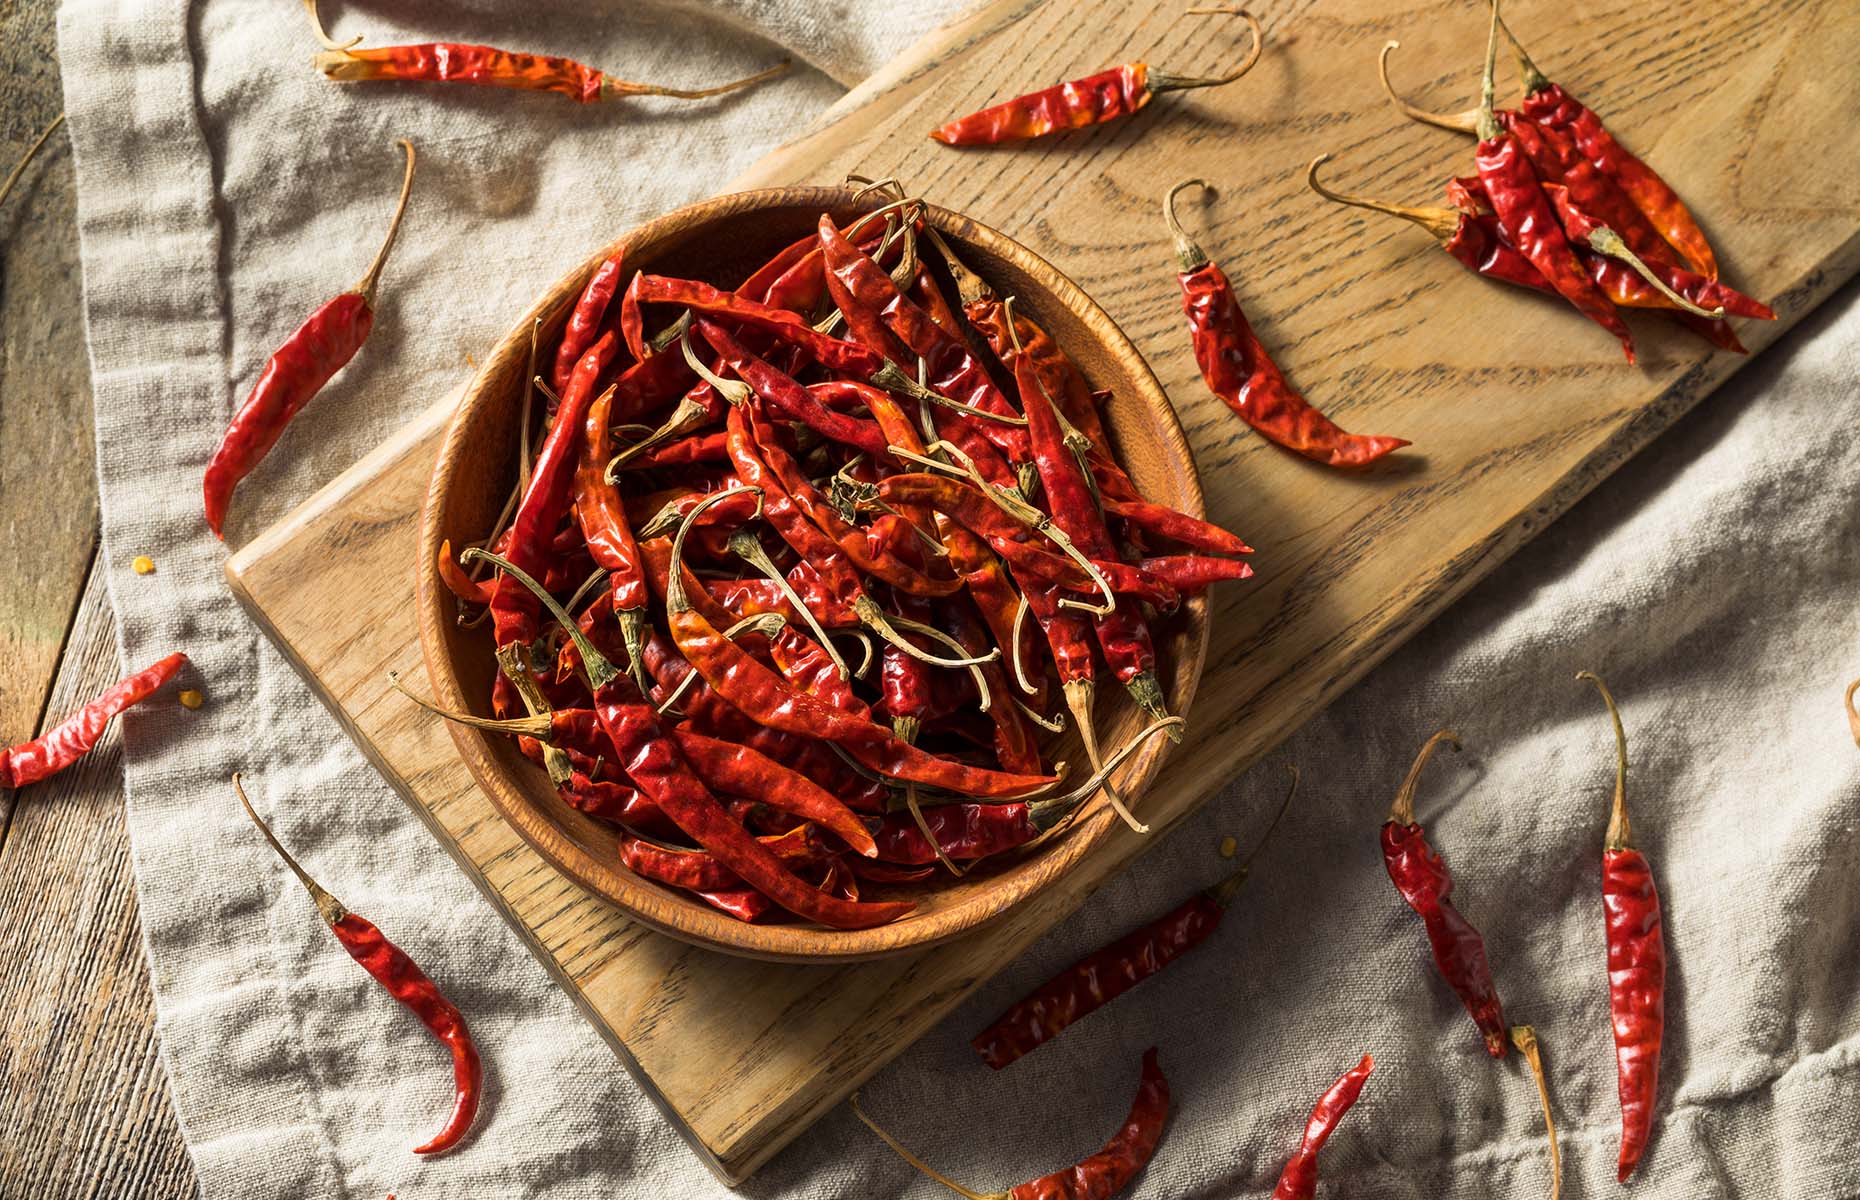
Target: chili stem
[[1401, 812], [923, 826], [1604, 240], [1050, 724], [539, 727], [323, 38], [1079, 695], [327, 906], [514, 661], [601, 672], [1619, 830], [366, 288], [746, 546], [1020, 667], [1441, 222], [611, 87], [1488, 127], [1223, 892], [1163, 81], [1460, 122], [1188, 255], [19, 168], [919, 1163], [676, 601], [684, 685], [1525, 1039]]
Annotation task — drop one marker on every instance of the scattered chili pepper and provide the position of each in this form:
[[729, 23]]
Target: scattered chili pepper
[[1636, 961], [1299, 1180], [1235, 365], [453, 62], [297, 371], [73, 737], [1524, 1038], [1107, 973], [1421, 876], [403, 980], [1097, 1177], [1093, 100], [19, 168]]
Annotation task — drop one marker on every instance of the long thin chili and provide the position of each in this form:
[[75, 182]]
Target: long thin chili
[[72, 738], [1299, 1180], [405, 981], [297, 371]]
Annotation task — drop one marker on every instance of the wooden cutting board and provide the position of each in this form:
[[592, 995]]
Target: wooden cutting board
[[1516, 407]]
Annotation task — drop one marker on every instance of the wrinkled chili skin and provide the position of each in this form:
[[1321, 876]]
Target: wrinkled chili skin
[[1556, 109], [455, 62], [1421, 876], [1636, 994], [296, 371], [1130, 1149], [965, 831], [1300, 1178], [1096, 980], [73, 737], [584, 321], [1075, 104], [404, 980], [1236, 367], [1530, 223]]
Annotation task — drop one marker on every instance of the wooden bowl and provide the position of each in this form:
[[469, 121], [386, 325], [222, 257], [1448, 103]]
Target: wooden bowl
[[721, 241]]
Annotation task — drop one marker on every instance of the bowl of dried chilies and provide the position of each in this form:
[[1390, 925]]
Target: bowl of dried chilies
[[798, 569]]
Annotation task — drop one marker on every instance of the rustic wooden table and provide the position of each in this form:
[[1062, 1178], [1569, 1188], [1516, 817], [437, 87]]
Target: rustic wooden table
[[84, 1107]]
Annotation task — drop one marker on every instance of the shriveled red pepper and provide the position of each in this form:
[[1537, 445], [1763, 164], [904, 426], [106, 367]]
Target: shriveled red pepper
[[1093, 100], [73, 737], [404, 981], [1636, 961], [487, 66], [1097, 1177], [743, 771], [1526, 215], [602, 518], [1107, 973], [1299, 1180], [699, 871], [962, 831], [297, 371], [1421, 876], [1235, 365]]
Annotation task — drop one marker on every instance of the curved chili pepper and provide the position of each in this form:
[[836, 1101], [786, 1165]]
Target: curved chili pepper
[[73, 737], [1422, 878], [699, 870], [404, 980], [1097, 1177], [297, 371], [467, 589], [964, 831], [790, 327], [1192, 573], [617, 802], [584, 320], [1093, 100], [794, 401], [1299, 1179], [904, 683], [1013, 739], [1107, 973], [1235, 365], [1636, 961], [487, 66]]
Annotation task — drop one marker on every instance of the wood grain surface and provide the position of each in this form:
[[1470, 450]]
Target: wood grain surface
[[84, 1108], [1517, 407]]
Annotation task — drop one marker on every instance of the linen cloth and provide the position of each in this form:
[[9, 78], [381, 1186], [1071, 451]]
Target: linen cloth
[[224, 190]]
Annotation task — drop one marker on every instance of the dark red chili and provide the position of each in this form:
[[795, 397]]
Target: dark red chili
[[1079, 103], [788, 397], [1097, 1177], [1235, 365], [73, 737], [743, 771], [1107, 973], [487, 66], [297, 371], [1421, 876], [1299, 1180], [404, 980], [1636, 961], [602, 518]]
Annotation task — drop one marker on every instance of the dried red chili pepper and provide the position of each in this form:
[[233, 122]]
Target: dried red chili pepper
[[404, 981], [584, 320], [602, 518], [487, 66], [1524, 1039], [743, 771], [1421, 876], [1192, 573], [1108, 972], [794, 401], [1526, 215], [1235, 365], [965, 831], [699, 870], [1299, 1179], [73, 737], [1098, 1177], [297, 371], [1093, 100], [1636, 961]]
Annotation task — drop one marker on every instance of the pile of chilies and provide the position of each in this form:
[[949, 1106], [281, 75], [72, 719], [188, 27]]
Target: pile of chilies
[[1557, 205], [791, 608]]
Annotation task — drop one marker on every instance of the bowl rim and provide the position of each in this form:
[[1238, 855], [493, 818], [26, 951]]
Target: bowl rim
[[689, 920]]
